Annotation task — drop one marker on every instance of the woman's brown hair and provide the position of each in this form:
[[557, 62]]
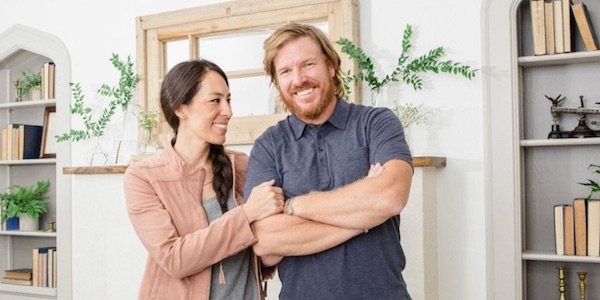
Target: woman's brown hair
[[179, 86]]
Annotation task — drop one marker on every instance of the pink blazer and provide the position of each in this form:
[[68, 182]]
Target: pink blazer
[[163, 197]]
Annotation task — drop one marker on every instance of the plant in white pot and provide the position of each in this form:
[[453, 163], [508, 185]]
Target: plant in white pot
[[30, 84], [25, 203]]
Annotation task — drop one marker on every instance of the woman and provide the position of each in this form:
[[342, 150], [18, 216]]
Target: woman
[[186, 203]]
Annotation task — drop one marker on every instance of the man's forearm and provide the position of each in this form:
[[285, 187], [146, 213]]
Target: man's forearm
[[365, 203], [293, 236]]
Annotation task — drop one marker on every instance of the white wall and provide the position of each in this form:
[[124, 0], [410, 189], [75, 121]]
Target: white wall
[[93, 30]]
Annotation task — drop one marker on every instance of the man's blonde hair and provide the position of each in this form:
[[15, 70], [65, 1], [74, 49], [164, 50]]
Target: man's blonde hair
[[295, 31]]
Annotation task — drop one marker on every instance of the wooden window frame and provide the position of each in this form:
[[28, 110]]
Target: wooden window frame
[[154, 31]]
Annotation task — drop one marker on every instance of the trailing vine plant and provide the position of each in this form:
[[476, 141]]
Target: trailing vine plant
[[120, 95], [407, 70]]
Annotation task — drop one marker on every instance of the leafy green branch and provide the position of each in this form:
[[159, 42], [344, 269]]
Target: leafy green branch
[[409, 71], [121, 95], [593, 185]]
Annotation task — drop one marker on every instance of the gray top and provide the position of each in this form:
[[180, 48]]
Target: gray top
[[240, 282], [303, 158]]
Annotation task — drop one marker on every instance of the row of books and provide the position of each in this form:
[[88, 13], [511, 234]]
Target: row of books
[[21, 141], [48, 79], [42, 274], [577, 228], [551, 23]]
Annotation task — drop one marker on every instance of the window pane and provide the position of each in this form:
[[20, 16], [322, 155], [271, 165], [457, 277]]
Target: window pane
[[177, 51], [238, 51], [252, 96]]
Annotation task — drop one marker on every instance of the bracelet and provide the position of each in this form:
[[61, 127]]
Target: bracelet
[[289, 208]]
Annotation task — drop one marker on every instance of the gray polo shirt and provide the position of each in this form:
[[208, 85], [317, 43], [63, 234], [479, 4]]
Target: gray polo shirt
[[303, 158]]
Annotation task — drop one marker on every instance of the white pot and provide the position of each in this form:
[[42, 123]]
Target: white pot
[[27, 223], [36, 93]]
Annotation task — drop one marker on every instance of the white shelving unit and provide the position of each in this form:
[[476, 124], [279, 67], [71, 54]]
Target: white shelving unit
[[23, 48], [547, 171]]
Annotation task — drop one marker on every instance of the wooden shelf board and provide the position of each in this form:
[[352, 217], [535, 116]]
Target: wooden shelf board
[[560, 142], [548, 256], [27, 104], [32, 290], [418, 162], [28, 233], [559, 59], [43, 161]]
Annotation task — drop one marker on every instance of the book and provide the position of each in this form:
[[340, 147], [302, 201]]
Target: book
[[582, 19], [559, 229], [54, 270], [22, 274], [4, 144], [567, 28], [48, 71], [549, 25], [569, 230], [15, 142], [538, 27], [15, 281], [580, 219], [30, 138], [51, 266], [593, 230], [35, 269], [559, 42], [10, 138]]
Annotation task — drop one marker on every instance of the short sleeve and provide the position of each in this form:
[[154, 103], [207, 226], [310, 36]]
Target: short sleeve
[[386, 137]]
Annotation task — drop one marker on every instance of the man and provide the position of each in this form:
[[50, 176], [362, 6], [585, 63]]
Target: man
[[339, 237]]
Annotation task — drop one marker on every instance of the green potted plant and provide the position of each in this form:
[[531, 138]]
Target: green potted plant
[[25, 203], [592, 184], [407, 70], [30, 83]]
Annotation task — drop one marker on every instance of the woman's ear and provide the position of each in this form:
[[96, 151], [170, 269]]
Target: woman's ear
[[180, 113]]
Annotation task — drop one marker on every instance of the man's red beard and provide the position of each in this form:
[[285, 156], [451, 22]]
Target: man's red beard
[[313, 113]]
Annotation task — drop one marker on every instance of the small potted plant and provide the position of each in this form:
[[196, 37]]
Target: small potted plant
[[25, 203], [147, 120], [30, 84], [592, 184]]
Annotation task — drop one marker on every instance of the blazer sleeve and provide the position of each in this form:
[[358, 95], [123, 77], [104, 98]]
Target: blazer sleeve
[[181, 255]]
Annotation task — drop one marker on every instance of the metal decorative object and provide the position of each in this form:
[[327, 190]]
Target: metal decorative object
[[581, 276], [562, 285], [582, 130], [18, 96]]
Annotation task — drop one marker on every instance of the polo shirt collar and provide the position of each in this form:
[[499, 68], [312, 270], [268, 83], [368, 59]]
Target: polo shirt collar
[[338, 119]]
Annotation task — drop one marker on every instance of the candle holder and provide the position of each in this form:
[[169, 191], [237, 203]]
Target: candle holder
[[18, 96], [562, 285], [581, 276]]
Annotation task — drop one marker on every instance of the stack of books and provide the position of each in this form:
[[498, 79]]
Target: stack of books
[[577, 228], [18, 276], [552, 26], [44, 267], [21, 141]]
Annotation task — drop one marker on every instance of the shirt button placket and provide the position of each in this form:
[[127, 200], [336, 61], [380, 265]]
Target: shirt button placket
[[324, 179]]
